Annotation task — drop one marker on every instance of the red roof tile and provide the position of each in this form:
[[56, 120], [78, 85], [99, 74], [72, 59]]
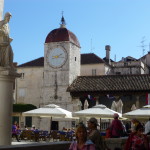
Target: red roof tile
[[90, 58], [111, 83], [62, 34], [36, 62]]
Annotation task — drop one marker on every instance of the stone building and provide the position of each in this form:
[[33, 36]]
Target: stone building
[[45, 80], [32, 77], [130, 65]]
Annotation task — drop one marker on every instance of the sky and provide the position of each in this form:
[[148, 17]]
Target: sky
[[122, 24]]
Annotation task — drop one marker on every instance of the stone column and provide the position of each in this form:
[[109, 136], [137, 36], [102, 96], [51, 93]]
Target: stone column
[[7, 80], [1, 8]]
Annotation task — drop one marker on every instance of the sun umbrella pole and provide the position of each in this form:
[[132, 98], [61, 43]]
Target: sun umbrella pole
[[100, 124], [50, 124]]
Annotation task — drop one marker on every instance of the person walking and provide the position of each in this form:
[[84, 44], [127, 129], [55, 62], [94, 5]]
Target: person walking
[[116, 127], [81, 136], [94, 135], [15, 131]]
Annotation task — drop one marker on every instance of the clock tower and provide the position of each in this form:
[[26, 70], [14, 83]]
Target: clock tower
[[61, 66]]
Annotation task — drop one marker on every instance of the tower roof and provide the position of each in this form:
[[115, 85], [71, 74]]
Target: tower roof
[[62, 34]]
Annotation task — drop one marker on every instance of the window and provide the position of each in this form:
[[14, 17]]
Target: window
[[21, 92], [75, 58], [28, 121], [22, 75], [93, 72]]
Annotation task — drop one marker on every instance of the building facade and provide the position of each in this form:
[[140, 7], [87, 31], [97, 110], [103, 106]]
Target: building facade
[[45, 80]]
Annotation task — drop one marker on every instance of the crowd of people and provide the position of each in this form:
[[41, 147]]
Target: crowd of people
[[89, 138]]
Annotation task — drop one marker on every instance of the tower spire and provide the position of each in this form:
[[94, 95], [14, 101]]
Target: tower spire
[[63, 22]]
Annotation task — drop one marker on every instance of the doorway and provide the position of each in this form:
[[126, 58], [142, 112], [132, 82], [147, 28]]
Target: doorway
[[54, 125]]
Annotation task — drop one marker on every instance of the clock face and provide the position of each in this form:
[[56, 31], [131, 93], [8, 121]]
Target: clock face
[[56, 57]]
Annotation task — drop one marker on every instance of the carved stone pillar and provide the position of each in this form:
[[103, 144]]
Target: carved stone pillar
[[7, 80]]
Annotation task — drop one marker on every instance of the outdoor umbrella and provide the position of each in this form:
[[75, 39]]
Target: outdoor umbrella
[[50, 110], [98, 111], [142, 113]]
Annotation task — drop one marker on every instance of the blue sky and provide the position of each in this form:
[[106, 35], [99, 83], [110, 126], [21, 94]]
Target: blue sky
[[122, 24]]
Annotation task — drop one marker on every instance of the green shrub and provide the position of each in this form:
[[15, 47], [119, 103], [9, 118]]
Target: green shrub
[[23, 107]]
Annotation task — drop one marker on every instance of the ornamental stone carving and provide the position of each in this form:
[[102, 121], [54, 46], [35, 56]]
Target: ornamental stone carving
[[6, 52]]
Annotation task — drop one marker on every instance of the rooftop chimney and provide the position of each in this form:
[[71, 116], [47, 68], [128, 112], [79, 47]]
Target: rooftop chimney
[[107, 48]]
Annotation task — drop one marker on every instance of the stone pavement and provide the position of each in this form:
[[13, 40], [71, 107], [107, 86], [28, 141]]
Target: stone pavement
[[22, 142], [28, 142], [42, 145]]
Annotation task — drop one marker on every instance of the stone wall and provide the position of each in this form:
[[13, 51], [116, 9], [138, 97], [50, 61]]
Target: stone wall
[[111, 143], [38, 146]]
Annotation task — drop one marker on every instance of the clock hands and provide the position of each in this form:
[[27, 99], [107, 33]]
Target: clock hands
[[57, 56], [54, 57]]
